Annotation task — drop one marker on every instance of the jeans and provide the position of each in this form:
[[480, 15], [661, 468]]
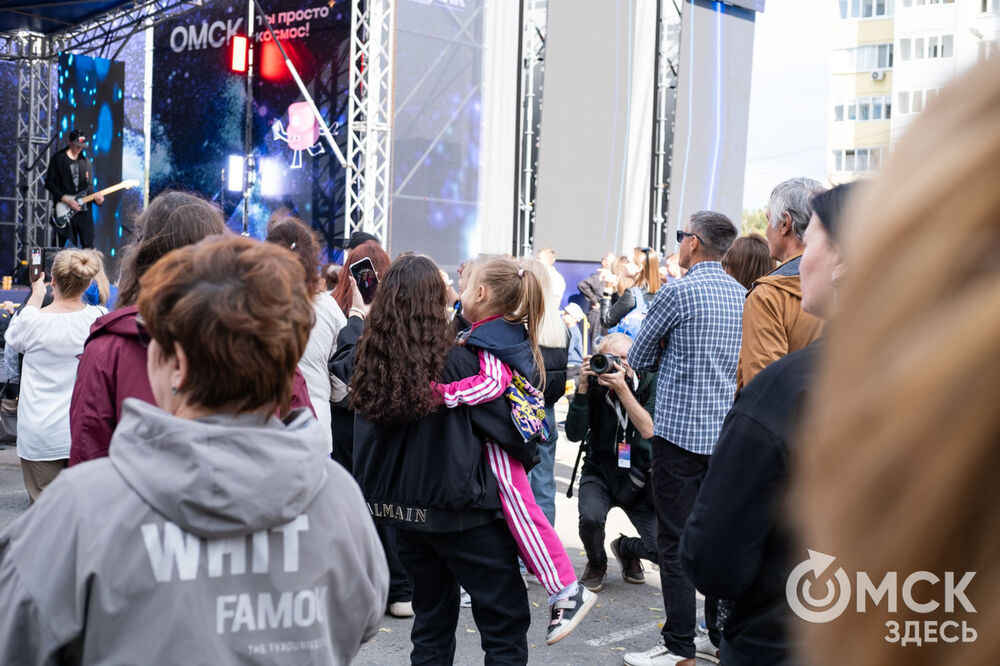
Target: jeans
[[542, 475], [594, 501], [677, 475], [483, 560]]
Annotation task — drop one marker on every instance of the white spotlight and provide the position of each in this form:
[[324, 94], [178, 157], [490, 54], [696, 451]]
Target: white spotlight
[[271, 177], [235, 173]]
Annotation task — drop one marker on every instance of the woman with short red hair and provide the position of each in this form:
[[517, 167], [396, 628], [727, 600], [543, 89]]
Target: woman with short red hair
[[214, 532]]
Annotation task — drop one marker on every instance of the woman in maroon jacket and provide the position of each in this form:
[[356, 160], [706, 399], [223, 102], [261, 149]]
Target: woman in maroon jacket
[[113, 364]]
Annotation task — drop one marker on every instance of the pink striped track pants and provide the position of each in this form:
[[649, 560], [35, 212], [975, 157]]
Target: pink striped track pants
[[537, 542]]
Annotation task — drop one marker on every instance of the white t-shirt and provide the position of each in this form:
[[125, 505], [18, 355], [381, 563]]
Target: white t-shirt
[[50, 342], [315, 360]]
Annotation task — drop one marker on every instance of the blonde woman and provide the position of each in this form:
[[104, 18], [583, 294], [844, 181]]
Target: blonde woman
[[553, 342], [51, 338], [899, 454]]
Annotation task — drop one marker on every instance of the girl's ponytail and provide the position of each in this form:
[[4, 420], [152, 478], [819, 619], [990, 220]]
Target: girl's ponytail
[[531, 311]]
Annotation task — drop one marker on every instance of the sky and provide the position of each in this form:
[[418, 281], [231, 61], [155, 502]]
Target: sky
[[787, 133]]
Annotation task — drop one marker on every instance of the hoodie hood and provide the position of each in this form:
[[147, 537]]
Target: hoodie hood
[[222, 475], [505, 340], [117, 322], [785, 277]]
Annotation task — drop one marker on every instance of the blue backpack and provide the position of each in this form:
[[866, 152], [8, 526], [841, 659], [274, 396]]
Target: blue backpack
[[630, 323]]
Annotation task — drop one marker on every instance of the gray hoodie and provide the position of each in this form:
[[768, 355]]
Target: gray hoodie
[[225, 540]]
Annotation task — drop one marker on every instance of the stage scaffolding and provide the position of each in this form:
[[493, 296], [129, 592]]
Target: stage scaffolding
[[369, 118], [36, 58], [532, 59], [668, 16]]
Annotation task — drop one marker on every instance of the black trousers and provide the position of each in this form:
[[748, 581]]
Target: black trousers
[[400, 588], [342, 428], [80, 231], [677, 477], [483, 560], [594, 500]]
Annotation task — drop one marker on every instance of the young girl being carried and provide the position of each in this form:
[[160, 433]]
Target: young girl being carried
[[505, 302]]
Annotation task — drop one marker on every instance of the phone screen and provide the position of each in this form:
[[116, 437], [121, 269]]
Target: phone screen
[[48, 257], [364, 274], [36, 263]]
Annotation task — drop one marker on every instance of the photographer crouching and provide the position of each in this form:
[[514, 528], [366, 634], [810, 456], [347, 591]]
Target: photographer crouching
[[612, 414]]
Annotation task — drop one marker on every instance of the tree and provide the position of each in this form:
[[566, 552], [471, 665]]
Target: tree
[[754, 222]]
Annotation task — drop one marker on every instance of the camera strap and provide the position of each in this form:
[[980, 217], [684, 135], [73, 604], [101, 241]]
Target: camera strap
[[617, 405]]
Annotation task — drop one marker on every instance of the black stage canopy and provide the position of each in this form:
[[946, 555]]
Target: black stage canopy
[[49, 16]]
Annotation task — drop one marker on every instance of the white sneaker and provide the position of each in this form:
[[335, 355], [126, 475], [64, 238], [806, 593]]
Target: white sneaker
[[566, 614], [658, 656], [706, 649], [464, 600], [401, 609]]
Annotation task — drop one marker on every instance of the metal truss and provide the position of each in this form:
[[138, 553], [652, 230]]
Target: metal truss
[[668, 16], [328, 186], [118, 26], [532, 58], [35, 125], [369, 118], [36, 57]]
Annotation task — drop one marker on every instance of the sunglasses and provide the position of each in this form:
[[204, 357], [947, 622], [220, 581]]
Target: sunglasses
[[681, 235], [141, 331]]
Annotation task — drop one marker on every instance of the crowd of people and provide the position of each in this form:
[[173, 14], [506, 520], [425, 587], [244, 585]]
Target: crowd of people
[[252, 459]]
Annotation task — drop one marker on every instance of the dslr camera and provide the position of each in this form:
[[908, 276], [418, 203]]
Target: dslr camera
[[603, 363]]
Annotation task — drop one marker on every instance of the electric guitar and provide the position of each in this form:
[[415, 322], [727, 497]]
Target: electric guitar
[[64, 213]]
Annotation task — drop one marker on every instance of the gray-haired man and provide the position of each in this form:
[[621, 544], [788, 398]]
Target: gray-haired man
[[774, 324]]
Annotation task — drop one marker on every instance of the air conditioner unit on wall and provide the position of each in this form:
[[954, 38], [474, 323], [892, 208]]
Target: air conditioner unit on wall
[[878, 75]]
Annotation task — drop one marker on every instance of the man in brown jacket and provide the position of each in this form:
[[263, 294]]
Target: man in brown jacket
[[774, 324]]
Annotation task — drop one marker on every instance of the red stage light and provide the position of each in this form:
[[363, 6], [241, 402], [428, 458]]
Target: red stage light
[[239, 62]]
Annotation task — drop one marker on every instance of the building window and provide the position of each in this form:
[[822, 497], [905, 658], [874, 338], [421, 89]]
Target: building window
[[932, 47], [918, 101], [918, 48], [904, 48], [948, 46], [866, 108], [855, 9], [863, 58], [858, 160], [990, 6], [904, 102]]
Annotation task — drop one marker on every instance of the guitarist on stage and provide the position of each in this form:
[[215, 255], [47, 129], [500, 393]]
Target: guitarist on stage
[[68, 177]]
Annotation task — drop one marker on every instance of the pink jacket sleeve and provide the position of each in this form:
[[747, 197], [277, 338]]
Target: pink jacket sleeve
[[493, 379]]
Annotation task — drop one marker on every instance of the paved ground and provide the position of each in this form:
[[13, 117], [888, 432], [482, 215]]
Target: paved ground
[[627, 617], [13, 496]]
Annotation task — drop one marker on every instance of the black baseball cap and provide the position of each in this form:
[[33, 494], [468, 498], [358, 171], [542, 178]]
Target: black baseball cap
[[78, 137], [359, 237]]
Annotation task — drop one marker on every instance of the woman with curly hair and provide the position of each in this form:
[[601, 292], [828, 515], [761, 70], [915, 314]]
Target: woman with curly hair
[[423, 469]]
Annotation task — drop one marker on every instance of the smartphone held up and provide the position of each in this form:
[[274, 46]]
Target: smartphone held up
[[366, 278]]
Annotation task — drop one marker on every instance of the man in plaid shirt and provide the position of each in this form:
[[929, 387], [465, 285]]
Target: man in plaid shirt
[[691, 335]]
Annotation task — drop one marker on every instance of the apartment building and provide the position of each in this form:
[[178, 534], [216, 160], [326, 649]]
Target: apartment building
[[891, 57]]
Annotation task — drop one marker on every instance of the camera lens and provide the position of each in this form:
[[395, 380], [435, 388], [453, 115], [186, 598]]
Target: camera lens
[[599, 363]]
